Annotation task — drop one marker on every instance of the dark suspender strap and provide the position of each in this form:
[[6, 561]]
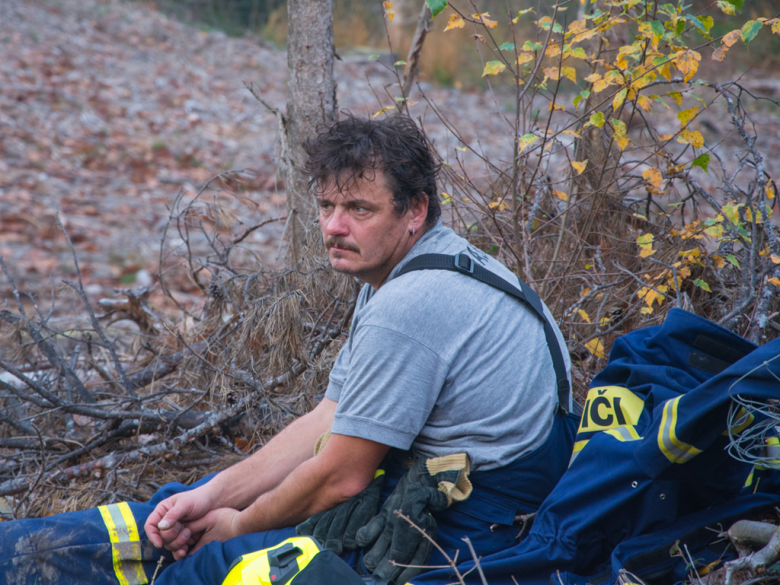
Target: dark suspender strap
[[466, 265]]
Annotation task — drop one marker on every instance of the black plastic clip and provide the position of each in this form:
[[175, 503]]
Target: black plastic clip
[[283, 563], [469, 263]]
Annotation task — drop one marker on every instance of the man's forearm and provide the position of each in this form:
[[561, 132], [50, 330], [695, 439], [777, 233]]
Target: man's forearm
[[241, 484], [315, 485]]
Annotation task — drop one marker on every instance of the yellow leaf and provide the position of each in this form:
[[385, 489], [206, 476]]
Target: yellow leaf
[[554, 73], [483, 16], [560, 195], [732, 212], [694, 138], [764, 252], [585, 292], [687, 115], [727, 7], [732, 37], [676, 96], [455, 21], [571, 133], [524, 58], [619, 98], [776, 26], [664, 137], [620, 135], [584, 315], [493, 68], [593, 77], [653, 177], [555, 107], [774, 259], [774, 280], [578, 26], [383, 110], [597, 119], [389, 12], [688, 63], [690, 254], [595, 347], [577, 53], [645, 103], [601, 85], [553, 50], [526, 140], [769, 191], [579, 166], [718, 261]]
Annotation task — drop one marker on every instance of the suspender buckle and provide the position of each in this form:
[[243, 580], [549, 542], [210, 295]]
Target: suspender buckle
[[464, 263]]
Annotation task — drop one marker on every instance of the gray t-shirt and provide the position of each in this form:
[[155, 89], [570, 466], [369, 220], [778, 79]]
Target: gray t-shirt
[[441, 363]]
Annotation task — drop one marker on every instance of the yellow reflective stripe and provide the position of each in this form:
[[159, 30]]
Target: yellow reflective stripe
[[627, 433], [379, 473], [673, 448], [747, 420], [578, 446], [125, 543], [749, 480]]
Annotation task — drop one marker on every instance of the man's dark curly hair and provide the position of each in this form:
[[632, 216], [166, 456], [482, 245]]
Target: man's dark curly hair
[[355, 148]]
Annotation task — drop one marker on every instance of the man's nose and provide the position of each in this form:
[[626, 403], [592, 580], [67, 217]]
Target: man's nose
[[336, 224]]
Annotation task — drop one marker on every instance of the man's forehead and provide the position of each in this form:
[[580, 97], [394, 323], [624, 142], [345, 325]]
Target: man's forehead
[[357, 188]]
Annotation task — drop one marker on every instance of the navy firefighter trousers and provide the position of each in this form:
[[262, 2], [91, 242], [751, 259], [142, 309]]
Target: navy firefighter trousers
[[108, 545]]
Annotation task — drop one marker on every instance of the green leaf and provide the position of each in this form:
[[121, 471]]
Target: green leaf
[[750, 30], [657, 28], [399, 63], [680, 27], [507, 47], [529, 46], [437, 6], [733, 260], [577, 101], [707, 22], [371, 57], [738, 4], [699, 25], [702, 161], [701, 284], [597, 119]]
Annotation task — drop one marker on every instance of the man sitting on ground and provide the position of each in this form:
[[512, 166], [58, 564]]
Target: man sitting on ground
[[437, 364]]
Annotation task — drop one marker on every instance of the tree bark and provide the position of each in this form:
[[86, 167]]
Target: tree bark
[[311, 101], [413, 60]]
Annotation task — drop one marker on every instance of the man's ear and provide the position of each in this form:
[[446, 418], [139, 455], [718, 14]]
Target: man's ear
[[418, 213]]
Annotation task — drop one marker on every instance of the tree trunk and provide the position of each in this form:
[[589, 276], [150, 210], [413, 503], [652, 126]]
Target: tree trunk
[[311, 101]]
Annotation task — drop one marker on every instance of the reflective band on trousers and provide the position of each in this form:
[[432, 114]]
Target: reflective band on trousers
[[673, 448], [125, 543]]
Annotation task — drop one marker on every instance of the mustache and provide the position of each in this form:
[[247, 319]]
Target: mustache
[[338, 242]]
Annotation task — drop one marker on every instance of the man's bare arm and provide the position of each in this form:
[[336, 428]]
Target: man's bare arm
[[343, 469], [240, 485]]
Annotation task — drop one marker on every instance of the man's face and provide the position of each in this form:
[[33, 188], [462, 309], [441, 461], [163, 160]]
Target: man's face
[[363, 234]]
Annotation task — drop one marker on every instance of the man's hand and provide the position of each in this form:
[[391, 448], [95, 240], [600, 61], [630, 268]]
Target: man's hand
[[167, 525], [220, 524]]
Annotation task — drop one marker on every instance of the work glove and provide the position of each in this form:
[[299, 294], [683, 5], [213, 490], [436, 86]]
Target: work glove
[[336, 528], [431, 485]]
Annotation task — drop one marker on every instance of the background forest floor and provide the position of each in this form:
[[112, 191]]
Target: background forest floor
[[109, 108]]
